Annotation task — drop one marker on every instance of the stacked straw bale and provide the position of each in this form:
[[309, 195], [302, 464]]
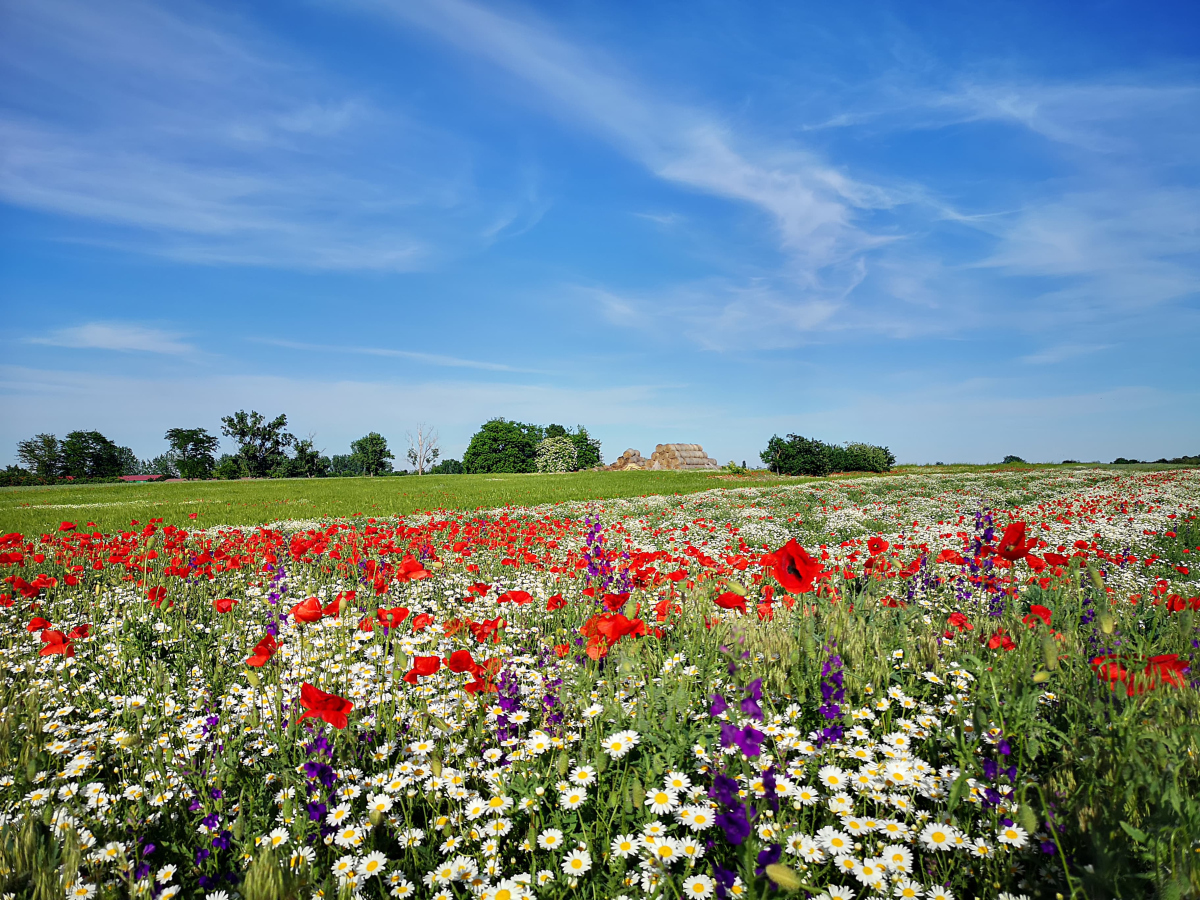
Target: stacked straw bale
[[667, 456]]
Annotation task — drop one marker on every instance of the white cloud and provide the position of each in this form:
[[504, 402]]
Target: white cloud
[[115, 336], [434, 359], [188, 135], [812, 204]]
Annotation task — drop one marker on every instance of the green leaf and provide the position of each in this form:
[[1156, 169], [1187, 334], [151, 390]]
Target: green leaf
[[956, 790], [1136, 833]]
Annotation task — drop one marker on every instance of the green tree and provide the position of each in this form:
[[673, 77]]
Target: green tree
[[194, 451], [127, 462], [502, 446], [371, 451], [42, 455], [308, 462], [796, 455], [345, 465], [163, 464], [447, 467], [587, 448], [261, 443], [229, 467], [89, 454]]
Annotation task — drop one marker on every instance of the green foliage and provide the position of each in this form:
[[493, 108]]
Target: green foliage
[[42, 455], [796, 455], [89, 454], [164, 464], [194, 451], [502, 446], [587, 449], [447, 467], [261, 442], [306, 462], [1010, 460], [372, 454], [230, 467], [345, 465]]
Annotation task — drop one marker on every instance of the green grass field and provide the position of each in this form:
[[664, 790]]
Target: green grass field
[[113, 506]]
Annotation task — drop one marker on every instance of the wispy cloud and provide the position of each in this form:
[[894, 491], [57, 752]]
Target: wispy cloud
[[1061, 353], [812, 204], [433, 359], [176, 131], [115, 336]]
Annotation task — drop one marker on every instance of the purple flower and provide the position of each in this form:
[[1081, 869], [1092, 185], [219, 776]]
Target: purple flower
[[724, 790], [748, 739], [202, 854], [768, 857], [750, 702], [718, 705], [734, 823]]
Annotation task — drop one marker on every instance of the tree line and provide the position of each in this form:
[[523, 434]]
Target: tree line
[[267, 449], [797, 455]]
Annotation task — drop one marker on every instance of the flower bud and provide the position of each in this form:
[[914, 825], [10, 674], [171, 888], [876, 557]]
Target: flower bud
[[784, 877], [1107, 623], [1041, 677]]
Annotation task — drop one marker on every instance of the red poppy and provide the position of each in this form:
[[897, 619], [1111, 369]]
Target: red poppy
[[66, 526], [1001, 640], [766, 612], [614, 602], [392, 618], [488, 628], [561, 650], [461, 661], [518, 597], [223, 605], [333, 609], [79, 631], [555, 602], [308, 610], [1012, 544], [320, 705], [479, 588], [155, 595], [263, 651], [37, 624], [959, 621], [56, 642], [1057, 559], [1168, 669], [617, 626], [423, 665], [663, 609], [877, 545], [1037, 612], [421, 622], [730, 600], [794, 569]]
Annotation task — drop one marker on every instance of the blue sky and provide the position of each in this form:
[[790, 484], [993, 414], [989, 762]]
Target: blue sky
[[963, 230]]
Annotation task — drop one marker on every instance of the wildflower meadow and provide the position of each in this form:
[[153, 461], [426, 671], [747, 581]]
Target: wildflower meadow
[[963, 685]]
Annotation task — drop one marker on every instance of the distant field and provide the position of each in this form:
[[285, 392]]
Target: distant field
[[113, 506]]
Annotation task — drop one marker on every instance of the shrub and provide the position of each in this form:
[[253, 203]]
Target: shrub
[[1010, 459], [230, 467], [557, 454], [502, 446], [796, 455], [447, 467]]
